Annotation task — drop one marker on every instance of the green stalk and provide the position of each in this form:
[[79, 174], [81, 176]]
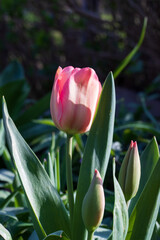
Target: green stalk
[[90, 235], [128, 58], [58, 172], [69, 176]]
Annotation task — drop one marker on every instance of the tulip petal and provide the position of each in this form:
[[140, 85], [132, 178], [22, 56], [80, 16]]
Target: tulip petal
[[79, 98], [59, 70], [55, 103]]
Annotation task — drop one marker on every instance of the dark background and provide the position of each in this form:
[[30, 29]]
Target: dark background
[[45, 34]]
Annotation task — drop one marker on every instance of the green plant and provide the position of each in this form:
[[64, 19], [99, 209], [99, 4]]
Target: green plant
[[48, 209]]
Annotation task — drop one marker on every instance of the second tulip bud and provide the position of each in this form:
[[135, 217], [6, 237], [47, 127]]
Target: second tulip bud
[[129, 175], [93, 204]]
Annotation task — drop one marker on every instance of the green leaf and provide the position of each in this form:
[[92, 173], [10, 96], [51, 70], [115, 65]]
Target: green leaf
[[16, 211], [4, 233], [149, 159], [6, 176], [109, 200], [120, 212], [45, 205], [7, 159], [34, 111], [139, 125], [45, 121], [144, 215], [33, 131], [2, 138], [9, 198], [133, 52], [13, 72], [97, 151], [13, 83], [5, 217], [60, 235], [156, 233]]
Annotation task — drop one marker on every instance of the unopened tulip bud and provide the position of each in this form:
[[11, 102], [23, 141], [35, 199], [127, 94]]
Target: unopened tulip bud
[[93, 203], [130, 172], [74, 99]]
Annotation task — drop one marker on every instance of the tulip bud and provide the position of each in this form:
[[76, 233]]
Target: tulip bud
[[74, 99], [129, 175], [93, 204]]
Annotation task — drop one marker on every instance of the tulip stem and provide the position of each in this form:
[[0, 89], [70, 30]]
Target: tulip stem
[[90, 235], [69, 176]]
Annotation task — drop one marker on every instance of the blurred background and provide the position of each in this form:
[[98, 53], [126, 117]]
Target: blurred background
[[38, 36], [42, 35]]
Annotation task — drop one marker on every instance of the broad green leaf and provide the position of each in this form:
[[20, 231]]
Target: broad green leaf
[[120, 211], [97, 151], [5, 233], [45, 205], [60, 235], [133, 52], [149, 159], [144, 215]]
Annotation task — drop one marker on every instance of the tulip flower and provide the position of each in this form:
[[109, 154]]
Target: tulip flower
[[93, 204], [129, 175], [74, 99]]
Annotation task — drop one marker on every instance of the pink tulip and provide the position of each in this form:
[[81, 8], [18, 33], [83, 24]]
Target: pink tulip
[[74, 99]]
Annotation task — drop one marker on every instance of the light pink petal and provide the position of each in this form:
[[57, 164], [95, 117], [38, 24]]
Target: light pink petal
[[59, 70], [55, 104], [63, 76], [82, 90], [90, 88]]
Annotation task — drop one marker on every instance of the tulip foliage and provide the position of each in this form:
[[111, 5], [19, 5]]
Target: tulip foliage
[[51, 216]]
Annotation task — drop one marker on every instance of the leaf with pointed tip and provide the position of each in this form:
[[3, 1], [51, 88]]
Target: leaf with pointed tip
[[97, 151], [4, 233], [129, 57], [45, 205], [149, 159], [144, 215], [120, 211]]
